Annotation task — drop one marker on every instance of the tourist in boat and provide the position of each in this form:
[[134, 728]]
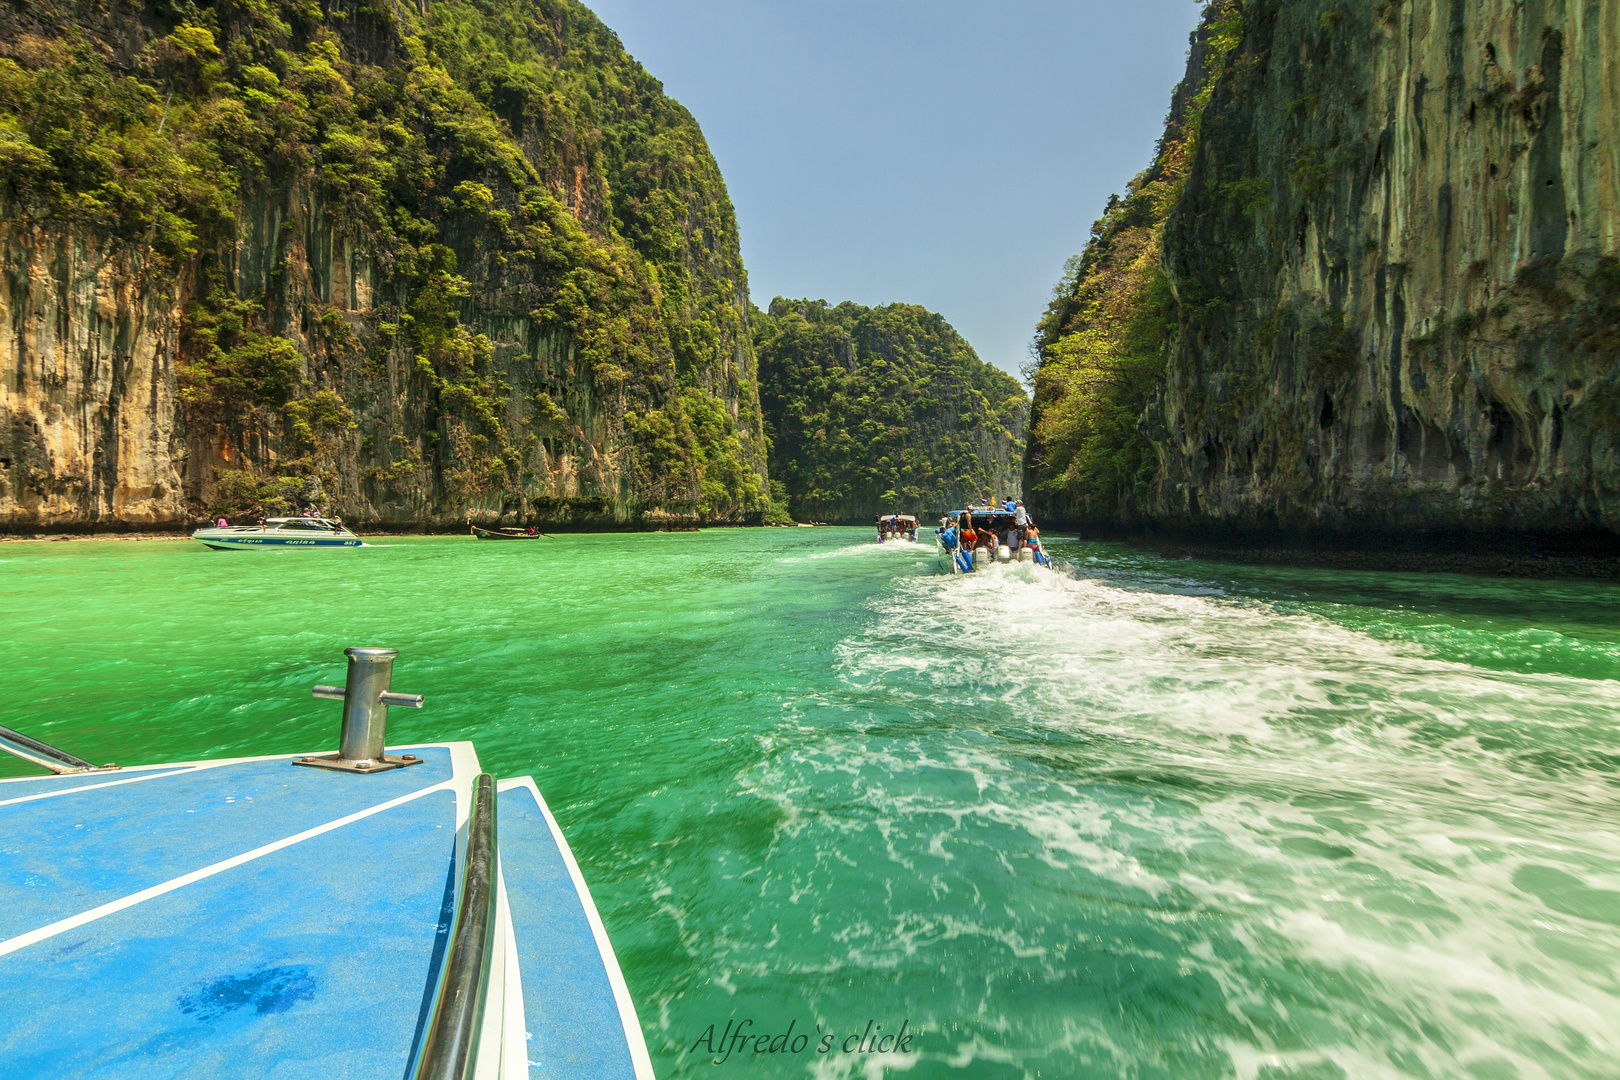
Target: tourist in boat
[[1033, 539], [957, 542]]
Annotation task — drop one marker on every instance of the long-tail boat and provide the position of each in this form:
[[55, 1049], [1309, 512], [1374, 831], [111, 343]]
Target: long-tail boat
[[507, 533]]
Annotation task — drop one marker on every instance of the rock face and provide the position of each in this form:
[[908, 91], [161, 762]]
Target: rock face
[[87, 384], [1394, 297], [882, 410], [408, 265]]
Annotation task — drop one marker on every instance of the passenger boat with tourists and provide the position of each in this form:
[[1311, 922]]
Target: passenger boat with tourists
[[302, 532], [508, 533], [990, 533], [892, 527], [355, 914]]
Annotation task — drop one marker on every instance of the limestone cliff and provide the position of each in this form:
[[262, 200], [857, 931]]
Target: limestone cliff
[[1391, 297], [882, 410], [409, 264]]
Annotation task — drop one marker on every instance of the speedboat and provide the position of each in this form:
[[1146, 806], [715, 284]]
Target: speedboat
[[353, 914], [993, 527], [280, 532], [893, 527]]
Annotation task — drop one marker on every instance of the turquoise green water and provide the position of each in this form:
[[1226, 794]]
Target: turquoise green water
[[1144, 818]]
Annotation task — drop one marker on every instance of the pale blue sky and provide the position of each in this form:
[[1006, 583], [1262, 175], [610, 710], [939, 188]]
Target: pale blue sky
[[941, 152]]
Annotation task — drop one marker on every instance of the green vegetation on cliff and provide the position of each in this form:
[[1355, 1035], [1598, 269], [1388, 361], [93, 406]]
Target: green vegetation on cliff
[[1100, 347], [872, 410], [1358, 297], [539, 293]]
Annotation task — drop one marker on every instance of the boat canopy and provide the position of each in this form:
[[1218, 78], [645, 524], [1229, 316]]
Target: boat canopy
[[987, 517], [897, 518], [324, 524]]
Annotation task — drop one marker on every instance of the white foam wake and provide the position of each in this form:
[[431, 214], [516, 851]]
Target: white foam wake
[[1382, 860]]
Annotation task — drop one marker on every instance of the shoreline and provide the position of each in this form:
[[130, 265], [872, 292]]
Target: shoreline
[[1586, 552], [96, 537], [1506, 563], [44, 537]]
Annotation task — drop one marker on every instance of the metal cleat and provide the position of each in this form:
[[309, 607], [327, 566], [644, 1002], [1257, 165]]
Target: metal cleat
[[365, 698]]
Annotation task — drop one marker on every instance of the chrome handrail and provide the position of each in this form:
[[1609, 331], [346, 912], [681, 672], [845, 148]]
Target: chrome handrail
[[449, 1051], [45, 755]]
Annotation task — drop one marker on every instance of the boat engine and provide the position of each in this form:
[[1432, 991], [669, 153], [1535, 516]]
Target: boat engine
[[1003, 553]]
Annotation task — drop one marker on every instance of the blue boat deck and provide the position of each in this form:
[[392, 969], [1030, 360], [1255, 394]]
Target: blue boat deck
[[246, 918]]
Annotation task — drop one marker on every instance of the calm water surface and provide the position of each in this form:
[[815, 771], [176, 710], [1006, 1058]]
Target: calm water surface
[[1143, 818]]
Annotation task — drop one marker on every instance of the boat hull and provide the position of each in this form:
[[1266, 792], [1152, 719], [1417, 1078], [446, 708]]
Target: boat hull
[[950, 562], [251, 541]]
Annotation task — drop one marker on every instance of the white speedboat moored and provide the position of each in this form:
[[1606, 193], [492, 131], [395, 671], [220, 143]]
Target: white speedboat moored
[[280, 532]]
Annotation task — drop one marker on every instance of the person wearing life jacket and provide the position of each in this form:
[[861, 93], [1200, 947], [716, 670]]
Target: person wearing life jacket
[[964, 538]]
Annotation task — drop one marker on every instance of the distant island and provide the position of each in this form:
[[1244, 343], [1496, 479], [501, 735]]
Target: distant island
[[878, 410]]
